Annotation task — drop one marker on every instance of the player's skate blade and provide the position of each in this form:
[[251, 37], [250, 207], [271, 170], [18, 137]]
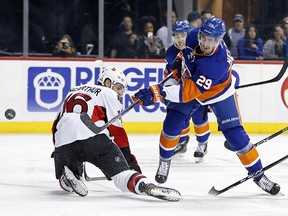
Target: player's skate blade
[[200, 152], [158, 192], [267, 185], [181, 149], [78, 186]]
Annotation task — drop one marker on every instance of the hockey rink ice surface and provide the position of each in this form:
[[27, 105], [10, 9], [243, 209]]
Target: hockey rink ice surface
[[28, 186]]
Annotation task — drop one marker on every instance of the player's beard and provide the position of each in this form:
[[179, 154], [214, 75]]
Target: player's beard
[[206, 49]]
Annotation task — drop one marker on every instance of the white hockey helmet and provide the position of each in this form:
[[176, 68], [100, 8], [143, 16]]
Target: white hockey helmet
[[116, 76]]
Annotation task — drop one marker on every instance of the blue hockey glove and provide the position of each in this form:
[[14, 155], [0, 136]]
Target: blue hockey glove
[[176, 65], [150, 95]]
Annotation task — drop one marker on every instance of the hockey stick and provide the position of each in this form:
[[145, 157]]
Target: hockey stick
[[215, 192], [95, 129], [226, 144], [87, 178], [275, 79]]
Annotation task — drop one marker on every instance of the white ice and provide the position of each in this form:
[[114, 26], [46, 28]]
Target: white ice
[[28, 186]]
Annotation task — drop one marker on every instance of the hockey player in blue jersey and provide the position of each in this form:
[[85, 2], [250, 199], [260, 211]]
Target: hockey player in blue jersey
[[174, 135], [206, 72]]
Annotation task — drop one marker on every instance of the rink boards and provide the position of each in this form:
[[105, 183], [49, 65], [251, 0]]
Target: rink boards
[[35, 88]]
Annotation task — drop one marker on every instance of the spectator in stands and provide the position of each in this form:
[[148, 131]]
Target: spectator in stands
[[151, 47], [275, 47], [122, 39], [163, 31], [194, 19], [207, 14], [65, 47], [131, 50], [285, 24], [236, 33], [251, 46], [285, 28]]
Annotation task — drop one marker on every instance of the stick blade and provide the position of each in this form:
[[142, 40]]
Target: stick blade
[[89, 123], [213, 191]]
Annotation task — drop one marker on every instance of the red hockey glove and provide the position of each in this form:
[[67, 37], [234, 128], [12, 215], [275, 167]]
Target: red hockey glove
[[150, 95]]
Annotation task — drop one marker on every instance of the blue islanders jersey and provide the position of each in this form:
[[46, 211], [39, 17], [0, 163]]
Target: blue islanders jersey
[[170, 56], [207, 78]]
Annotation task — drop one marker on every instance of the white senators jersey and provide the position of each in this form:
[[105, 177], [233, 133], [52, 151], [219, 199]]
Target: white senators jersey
[[100, 103]]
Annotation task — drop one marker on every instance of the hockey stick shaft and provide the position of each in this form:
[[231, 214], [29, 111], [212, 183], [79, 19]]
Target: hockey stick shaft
[[90, 124], [215, 192], [271, 136], [87, 178], [275, 79], [226, 144]]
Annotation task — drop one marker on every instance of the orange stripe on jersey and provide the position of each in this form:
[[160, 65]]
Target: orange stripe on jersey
[[166, 143], [189, 91], [201, 129], [249, 157], [214, 90]]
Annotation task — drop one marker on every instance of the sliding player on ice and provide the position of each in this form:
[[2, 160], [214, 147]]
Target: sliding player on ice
[[75, 143]]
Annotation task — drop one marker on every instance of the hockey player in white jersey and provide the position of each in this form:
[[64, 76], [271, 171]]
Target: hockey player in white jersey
[[75, 143]]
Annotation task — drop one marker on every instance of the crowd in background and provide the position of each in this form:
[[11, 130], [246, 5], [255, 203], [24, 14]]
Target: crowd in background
[[243, 40], [72, 30]]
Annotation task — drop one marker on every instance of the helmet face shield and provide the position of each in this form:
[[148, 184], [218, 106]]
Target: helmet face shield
[[119, 88]]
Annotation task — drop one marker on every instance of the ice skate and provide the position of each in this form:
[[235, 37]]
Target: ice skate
[[200, 152], [163, 171], [181, 148], [270, 187], [163, 193], [65, 185], [78, 186]]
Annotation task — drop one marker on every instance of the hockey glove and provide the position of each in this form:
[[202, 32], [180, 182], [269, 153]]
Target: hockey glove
[[150, 95], [176, 66], [177, 63], [133, 165], [176, 74]]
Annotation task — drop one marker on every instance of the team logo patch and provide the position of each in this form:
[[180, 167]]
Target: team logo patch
[[118, 159]]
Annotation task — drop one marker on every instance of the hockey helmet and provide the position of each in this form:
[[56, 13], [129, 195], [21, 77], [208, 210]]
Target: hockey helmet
[[116, 76], [180, 32], [181, 26], [210, 35], [214, 28]]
